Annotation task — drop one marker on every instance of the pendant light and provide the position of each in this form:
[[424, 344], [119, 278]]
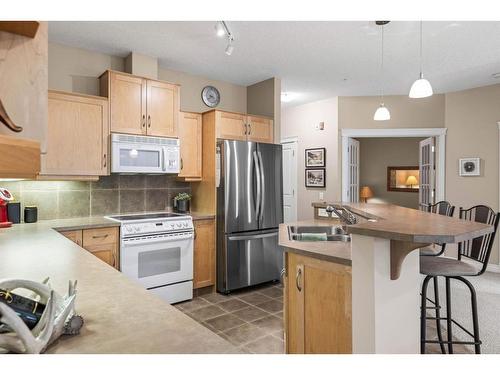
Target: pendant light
[[382, 113], [421, 88]]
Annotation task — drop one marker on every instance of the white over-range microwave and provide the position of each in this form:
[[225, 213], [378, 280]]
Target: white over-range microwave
[[140, 154]]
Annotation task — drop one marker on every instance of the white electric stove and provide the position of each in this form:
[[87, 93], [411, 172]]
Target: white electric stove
[[156, 250]]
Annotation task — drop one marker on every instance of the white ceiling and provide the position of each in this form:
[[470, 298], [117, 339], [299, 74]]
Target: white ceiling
[[314, 59]]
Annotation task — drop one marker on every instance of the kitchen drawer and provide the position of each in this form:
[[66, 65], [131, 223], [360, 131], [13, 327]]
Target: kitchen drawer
[[99, 236]]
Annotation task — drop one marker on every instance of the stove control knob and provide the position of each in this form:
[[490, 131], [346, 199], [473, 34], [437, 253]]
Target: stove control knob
[[179, 225], [127, 229], [185, 224]]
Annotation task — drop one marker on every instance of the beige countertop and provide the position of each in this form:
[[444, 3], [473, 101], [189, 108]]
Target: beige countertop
[[392, 222], [406, 224], [333, 251], [120, 316]]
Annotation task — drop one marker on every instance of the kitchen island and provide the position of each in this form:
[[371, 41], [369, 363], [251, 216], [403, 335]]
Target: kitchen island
[[120, 316], [363, 296]]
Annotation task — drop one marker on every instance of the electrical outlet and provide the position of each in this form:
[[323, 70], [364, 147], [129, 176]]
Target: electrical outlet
[[321, 195]]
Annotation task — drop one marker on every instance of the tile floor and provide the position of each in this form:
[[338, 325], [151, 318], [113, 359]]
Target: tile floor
[[251, 319]]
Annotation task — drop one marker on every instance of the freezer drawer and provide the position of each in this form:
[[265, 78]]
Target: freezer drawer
[[250, 259]]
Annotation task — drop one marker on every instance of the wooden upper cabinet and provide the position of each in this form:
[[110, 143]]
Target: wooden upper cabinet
[[190, 136], [127, 102], [242, 127], [260, 129], [204, 253], [231, 125], [77, 137], [162, 108], [141, 106]]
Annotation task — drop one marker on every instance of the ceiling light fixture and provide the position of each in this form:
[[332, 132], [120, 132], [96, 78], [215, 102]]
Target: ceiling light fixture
[[222, 29], [421, 88], [495, 75], [382, 113]]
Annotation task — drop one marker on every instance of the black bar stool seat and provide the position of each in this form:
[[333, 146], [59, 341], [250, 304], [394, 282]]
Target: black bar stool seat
[[441, 208], [444, 266]]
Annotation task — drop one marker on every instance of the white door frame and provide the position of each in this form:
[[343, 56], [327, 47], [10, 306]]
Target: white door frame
[[439, 133], [296, 193]]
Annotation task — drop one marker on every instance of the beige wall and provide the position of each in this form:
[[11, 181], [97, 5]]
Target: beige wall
[[232, 97], [376, 154], [357, 112], [300, 122], [264, 99], [471, 119], [77, 70]]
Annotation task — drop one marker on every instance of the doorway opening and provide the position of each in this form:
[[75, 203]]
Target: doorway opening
[[290, 179], [427, 153]]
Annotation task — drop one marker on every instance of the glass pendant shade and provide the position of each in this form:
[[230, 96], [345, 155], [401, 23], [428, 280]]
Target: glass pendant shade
[[382, 113], [421, 88]]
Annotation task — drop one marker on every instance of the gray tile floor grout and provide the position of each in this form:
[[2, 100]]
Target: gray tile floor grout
[[251, 319]]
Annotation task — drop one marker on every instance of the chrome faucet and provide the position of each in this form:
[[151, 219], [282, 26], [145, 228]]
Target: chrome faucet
[[345, 216]]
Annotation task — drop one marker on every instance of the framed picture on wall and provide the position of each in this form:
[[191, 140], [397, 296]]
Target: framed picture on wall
[[315, 178], [469, 167], [316, 157]]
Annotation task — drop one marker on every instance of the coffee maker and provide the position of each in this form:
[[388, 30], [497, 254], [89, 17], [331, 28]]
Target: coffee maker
[[5, 196]]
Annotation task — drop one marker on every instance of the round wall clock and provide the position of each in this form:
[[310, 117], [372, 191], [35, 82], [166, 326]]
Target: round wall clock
[[210, 96]]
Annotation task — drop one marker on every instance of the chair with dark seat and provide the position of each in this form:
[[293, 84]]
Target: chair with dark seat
[[441, 208], [477, 251]]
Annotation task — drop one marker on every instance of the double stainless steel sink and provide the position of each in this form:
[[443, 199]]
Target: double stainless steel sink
[[318, 233]]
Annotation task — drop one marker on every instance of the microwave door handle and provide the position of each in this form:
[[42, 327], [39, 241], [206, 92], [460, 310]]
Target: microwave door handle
[[163, 159]]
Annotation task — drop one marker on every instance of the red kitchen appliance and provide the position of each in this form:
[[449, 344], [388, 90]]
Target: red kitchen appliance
[[5, 196]]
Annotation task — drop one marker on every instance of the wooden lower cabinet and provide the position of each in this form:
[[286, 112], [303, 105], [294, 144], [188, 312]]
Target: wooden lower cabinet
[[317, 306], [101, 242], [204, 253]]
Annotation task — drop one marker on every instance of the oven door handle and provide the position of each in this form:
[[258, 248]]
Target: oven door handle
[[163, 159], [134, 242]]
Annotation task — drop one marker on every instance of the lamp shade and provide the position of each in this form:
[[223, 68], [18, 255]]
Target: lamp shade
[[411, 180], [421, 88], [366, 192], [382, 113]]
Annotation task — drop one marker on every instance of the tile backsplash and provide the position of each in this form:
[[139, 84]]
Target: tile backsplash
[[110, 195]]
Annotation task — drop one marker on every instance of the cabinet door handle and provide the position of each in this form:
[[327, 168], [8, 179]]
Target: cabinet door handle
[[298, 279], [105, 161], [100, 236], [249, 129], [149, 121], [143, 121], [113, 259], [245, 128], [182, 164]]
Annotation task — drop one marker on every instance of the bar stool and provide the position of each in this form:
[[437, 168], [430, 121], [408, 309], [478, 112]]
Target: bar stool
[[478, 251], [442, 208]]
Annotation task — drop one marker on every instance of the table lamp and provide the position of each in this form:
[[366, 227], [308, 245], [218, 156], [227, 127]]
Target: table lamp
[[411, 180], [365, 193]]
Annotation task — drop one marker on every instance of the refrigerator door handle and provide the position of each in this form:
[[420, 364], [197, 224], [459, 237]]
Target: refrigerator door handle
[[263, 188], [252, 236], [258, 200]]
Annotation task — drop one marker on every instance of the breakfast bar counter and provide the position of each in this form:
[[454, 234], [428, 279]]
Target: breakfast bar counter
[[384, 265], [120, 316]]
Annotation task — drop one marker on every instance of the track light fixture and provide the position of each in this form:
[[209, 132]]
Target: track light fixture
[[221, 29], [382, 113]]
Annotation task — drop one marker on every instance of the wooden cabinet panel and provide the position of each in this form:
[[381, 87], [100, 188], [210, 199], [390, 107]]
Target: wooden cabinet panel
[[231, 125], [318, 306], [162, 108], [204, 253], [260, 129], [100, 236], [77, 139], [107, 252], [190, 136], [127, 98], [73, 235]]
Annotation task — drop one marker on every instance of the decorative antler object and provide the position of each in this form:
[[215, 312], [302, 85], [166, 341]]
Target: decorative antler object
[[57, 319], [5, 119]]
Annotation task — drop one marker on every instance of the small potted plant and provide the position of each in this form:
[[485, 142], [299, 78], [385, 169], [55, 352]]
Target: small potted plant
[[182, 202]]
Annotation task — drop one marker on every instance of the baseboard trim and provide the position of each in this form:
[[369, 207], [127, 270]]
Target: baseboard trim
[[494, 268]]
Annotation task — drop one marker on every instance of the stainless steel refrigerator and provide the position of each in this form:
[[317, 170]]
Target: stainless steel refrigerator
[[249, 211]]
